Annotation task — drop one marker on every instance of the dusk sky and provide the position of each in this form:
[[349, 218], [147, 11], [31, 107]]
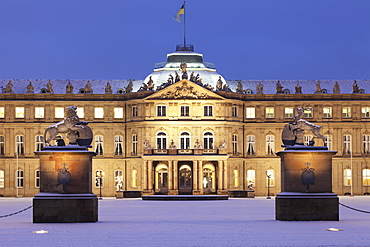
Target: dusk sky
[[246, 39]]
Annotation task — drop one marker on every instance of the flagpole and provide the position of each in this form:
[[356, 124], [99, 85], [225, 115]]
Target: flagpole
[[184, 25]]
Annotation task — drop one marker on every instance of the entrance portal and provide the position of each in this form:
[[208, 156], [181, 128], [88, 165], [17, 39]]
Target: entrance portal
[[161, 179], [185, 180]]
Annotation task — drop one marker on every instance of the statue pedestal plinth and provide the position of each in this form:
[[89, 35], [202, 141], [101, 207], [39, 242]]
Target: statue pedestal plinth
[[65, 186], [306, 185]]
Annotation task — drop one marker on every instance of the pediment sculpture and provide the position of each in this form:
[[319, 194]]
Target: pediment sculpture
[[184, 92]]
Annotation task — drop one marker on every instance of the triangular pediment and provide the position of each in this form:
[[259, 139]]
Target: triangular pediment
[[184, 89]]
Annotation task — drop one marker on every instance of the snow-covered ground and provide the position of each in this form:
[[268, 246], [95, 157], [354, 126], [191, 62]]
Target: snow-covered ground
[[235, 222]]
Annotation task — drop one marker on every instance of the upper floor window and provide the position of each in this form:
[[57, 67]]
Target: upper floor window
[[19, 112], [2, 179], [118, 112], [365, 112], [270, 145], [307, 139], [134, 144], [134, 111], [208, 110], [346, 112], [366, 144], [327, 112], [2, 145], [270, 112], [19, 178], [2, 112], [39, 112], [118, 145], [251, 145], [235, 111], [161, 140], [161, 110], [99, 145], [39, 142], [250, 112], [37, 178], [184, 110], [98, 112], [308, 113], [365, 177], [328, 141], [184, 140], [80, 112], [19, 144], [235, 144], [347, 144], [208, 140], [59, 112], [347, 177], [288, 112]]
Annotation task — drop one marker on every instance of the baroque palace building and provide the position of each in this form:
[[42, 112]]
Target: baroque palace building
[[184, 129]]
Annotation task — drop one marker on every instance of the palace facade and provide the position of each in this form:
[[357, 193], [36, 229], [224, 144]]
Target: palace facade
[[184, 129]]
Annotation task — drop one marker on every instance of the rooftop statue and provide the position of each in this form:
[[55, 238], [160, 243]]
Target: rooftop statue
[[77, 131], [318, 87], [8, 88], [239, 87], [355, 87], [336, 88], [129, 87], [298, 89], [30, 88], [108, 88], [259, 88], [183, 67], [279, 88], [69, 88], [293, 132]]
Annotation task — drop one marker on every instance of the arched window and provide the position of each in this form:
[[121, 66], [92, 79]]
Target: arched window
[[208, 140], [209, 177], [161, 178], [161, 140], [365, 177], [236, 177], [347, 177], [134, 178], [118, 180], [270, 145], [251, 178], [270, 178], [184, 140]]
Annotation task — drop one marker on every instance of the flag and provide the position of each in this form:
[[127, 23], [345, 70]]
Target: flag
[[181, 12]]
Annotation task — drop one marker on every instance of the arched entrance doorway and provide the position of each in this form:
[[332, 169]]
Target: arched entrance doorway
[[161, 179], [209, 178], [185, 180]]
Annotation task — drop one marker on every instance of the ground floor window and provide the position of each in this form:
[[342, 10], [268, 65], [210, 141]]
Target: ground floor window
[[161, 177], [19, 178], [2, 179], [251, 178], [366, 177], [99, 176], [347, 177], [209, 177], [134, 178], [118, 180], [270, 181], [37, 178], [236, 177]]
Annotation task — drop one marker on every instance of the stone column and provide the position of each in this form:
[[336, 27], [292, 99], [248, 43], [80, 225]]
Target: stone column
[[195, 175], [175, 175], [200, 176], [225, 176], [150, 175], [220, 174], [170, 175]]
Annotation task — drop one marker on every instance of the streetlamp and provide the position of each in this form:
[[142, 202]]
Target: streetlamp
[[268, 185], [100, 175]]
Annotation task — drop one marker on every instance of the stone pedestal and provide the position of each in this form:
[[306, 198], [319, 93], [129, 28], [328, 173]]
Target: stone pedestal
[[306, 185], [65, 186]]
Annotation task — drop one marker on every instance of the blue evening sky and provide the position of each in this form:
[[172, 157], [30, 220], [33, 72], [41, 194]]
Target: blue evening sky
[[246, 39]]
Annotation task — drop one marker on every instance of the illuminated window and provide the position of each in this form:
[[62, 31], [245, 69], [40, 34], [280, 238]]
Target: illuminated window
[[2, 112], [251, 178], [118, 145], [185, 111], [307, 139], [270, 178], [99, 145], [39, 143], [347, 144], [19, 144], [161, 110], [365, 177], [208, 140], [346, 112], [270, 112], [118, 179], [235, 111], [235, 144], [288, 112], [2, 179], [37, 179], [80, 112], [59, 112], [134, 144], [99, 179], [39, 112], [161, 140], [308, 114], [251, 145], [328, 139], [134, 111], [250, 112], [327, 112], [347, 177], [118, 112], [19, 112], [98, 112], [161, 177], [19, 177], [184, 140], [2, 145], [366, 144], [236, 177], [365, 112], [270, 145], [209, 177], [134, 178], [208, 111]]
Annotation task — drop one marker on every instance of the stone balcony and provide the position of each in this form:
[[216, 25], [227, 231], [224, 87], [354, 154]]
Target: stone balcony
[[173, 151]]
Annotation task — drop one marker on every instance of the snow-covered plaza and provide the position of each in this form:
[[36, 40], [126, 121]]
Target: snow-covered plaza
[[233, 222]]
